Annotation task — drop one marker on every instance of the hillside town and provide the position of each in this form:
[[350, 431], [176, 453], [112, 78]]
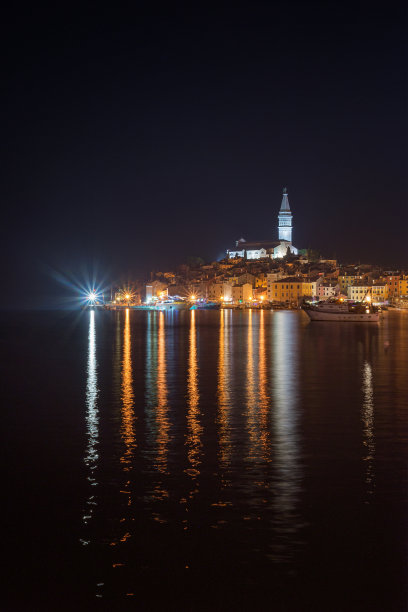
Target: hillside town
[[283, 283], [273, 274]]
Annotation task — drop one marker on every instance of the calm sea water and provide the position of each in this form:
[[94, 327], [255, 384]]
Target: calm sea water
[[204, 461]]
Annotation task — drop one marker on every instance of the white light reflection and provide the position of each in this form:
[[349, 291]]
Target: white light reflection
[[287, 476], [92, 418], [368, 426]]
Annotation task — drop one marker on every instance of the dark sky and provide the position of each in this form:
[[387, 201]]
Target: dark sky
[[136, 137]]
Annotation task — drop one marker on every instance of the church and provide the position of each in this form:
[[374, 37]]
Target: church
[[271, 249]]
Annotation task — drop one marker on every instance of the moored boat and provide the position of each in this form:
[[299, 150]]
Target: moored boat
[[205, 306], [337, 310], [171, 305]]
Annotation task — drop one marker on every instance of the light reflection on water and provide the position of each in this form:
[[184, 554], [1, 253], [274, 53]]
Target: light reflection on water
[[92, 421], [156, 404], [162, 408], [224, 389], [285, 416], [252, 417], [128, 416], [221, 425], [264, 396], [194, 426], [368, 426]]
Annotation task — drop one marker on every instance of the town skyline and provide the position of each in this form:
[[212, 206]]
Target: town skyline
[[131, 143]]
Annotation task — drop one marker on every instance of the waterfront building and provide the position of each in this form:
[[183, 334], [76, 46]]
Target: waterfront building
[[220, 291], [403, 287], [286, 290], [155, 289], [378, 292], [270, 249], [327, 289], [393, 283], [241, 293], [310, 287]]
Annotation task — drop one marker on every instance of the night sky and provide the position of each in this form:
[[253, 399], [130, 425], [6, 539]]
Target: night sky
[[134, 138]]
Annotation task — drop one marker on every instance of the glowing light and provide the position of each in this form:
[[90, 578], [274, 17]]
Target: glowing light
[[368, 298], [262, 298], [193, 298], [127, 296], [92, 296]]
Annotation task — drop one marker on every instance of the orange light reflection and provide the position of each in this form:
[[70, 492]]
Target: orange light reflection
[[128, 416], [162, 392], [224, 388], [193, 420]]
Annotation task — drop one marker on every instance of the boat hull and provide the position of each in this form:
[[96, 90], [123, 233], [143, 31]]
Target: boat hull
[[314, 315], [172, 306]]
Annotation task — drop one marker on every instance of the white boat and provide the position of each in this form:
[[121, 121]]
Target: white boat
[[172, 305], [336, 310]]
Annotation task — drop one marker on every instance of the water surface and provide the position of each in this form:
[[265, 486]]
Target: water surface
[[205, 460]]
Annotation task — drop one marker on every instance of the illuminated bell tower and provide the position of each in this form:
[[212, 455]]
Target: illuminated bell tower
[[285, 219]]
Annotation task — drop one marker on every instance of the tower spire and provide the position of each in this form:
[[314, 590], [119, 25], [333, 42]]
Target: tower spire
[[285, 201], [285, 218]]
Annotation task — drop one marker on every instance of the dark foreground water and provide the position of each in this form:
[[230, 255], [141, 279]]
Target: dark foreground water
[[204, 461]]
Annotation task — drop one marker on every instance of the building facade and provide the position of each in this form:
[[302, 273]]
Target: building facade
[[403, 287], [327, 289], [220, 291], [377, 292], [393, 283], [346, 280], [286, 290], [242, 293]]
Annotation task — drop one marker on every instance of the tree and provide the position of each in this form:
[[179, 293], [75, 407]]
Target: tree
[[194, 262], [313, 255]]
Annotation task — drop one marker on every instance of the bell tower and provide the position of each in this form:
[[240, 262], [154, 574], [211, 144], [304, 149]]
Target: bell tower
[[285, 219]]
